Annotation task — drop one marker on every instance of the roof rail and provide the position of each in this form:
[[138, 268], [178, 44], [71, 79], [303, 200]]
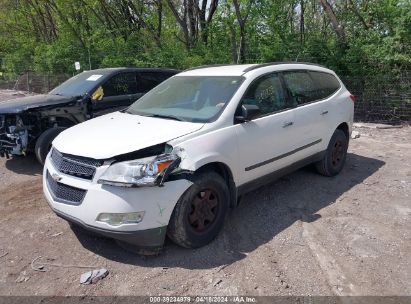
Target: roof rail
[[207, 66], [257, 66]]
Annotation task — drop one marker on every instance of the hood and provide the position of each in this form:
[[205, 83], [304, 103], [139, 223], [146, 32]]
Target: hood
[[120, 133], [18, 105]]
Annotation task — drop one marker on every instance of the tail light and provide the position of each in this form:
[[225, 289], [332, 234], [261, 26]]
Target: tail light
[[352, 98]]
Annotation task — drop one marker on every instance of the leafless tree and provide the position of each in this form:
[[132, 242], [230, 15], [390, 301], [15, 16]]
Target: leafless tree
[[337, 26]]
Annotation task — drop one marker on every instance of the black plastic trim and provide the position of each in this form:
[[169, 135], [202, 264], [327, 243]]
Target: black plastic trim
[[254, 67], [144, 239], [163, 177], [266, 179], [61, 200], [263, 163], [142, 153]]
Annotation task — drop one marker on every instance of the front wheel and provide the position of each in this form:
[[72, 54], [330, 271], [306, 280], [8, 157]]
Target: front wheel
[[335, 155], [43, 143], [200, 212]]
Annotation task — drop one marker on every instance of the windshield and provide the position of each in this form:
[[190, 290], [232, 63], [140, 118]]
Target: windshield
[[78, 85], [188, 98]]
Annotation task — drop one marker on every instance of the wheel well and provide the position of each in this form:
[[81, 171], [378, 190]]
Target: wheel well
[[218, 167], [224, 171], [344, 127], [59, 121]]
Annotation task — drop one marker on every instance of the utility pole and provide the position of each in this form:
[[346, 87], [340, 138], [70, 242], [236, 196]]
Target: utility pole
[[89, 59]]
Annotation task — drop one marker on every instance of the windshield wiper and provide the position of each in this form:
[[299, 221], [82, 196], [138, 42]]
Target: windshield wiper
[[164, 116], [126, 110]]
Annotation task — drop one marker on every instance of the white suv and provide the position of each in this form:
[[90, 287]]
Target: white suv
[[177, 159]]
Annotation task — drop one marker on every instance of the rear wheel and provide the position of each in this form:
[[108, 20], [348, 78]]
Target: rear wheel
[[335, 155], [200, 212], [43, 143]]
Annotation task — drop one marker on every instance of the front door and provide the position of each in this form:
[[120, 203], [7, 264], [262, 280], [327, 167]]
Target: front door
[[118, 92], [266, 143]]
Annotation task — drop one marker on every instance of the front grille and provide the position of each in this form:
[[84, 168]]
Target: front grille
[[74, 165], [65, 193]]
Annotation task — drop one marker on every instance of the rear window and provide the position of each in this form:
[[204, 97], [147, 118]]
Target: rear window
[[325, 83]]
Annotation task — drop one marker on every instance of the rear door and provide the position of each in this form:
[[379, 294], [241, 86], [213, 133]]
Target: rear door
[[310, 112], [327, 86]]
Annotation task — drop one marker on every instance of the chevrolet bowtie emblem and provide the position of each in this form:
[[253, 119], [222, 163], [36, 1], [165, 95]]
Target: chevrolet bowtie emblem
[[56, 177]]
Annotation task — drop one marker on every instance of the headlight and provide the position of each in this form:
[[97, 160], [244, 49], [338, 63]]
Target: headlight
[[141, 172]]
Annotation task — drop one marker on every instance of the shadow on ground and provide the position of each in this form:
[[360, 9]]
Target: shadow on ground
[[26, 165], [262, 215]]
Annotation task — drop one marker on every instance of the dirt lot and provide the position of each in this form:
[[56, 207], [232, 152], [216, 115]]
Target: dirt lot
[[302, 235]]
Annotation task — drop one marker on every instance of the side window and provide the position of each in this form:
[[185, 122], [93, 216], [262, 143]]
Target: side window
[[121, 84], [148, 80], [325, 83], [267, 93], [300, 86]]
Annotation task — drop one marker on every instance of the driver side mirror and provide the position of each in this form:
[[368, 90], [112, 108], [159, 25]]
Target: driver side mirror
[[248, 112]]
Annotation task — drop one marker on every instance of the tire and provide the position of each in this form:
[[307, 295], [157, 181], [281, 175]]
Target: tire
[[335, 155], [43, 143], [200, 212]]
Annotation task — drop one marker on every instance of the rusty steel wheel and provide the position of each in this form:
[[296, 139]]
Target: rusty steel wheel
[[199, 213], [335, 155], [204, 210]]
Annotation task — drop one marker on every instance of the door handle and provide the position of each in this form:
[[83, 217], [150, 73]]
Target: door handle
[[287, 124], [324, 112]]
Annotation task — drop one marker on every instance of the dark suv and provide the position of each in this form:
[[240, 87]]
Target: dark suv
[[30, 124]]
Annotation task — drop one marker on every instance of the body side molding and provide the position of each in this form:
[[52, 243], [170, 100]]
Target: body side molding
[[263, 163]]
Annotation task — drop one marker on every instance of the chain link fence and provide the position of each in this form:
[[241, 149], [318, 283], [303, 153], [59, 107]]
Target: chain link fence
[[32, 82], [378, 99], [381, 98]]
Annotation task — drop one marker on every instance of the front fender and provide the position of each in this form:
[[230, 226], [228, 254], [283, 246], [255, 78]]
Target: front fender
[[218, 146]]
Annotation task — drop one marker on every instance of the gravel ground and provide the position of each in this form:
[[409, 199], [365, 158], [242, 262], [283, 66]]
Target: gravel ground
[[302, 235]]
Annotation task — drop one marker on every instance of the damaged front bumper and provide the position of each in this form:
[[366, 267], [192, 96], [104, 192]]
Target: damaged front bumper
[[81, 200], [14, 136], [145, 242]]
